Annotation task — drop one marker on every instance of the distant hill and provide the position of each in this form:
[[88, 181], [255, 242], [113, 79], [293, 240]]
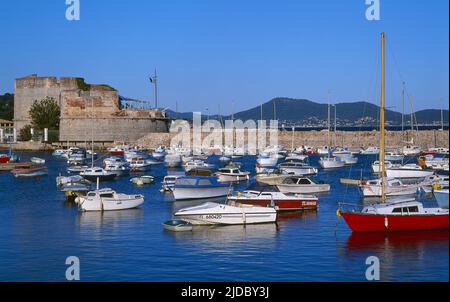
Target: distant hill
[[306, 111], [7, 106]]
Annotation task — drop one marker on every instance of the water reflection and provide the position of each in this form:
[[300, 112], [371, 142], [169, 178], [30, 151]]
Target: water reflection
[[409, 249], [395, 241], [305, 215], [110, 219], [260, 235]]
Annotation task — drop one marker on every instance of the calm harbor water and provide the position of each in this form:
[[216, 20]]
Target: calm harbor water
[[39, 230]]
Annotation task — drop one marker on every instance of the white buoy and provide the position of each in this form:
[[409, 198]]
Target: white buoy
[[46, 135]]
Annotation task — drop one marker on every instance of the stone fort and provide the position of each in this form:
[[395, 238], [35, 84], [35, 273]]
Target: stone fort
[[86, 110]]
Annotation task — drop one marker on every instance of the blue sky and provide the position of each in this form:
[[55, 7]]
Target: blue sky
[[241, 51]]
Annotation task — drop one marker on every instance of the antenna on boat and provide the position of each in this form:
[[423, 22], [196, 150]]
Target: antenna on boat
[[382, 133], [92, 131]]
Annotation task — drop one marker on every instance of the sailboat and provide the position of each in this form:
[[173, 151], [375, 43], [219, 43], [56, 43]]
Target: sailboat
[[404, 214]]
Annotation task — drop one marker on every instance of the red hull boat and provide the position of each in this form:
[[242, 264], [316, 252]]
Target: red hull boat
[[281, 201], [394, 223], [395, 216], [4, 159]]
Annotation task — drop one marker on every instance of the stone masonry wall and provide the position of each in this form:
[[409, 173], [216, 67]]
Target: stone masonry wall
[[81, 106], [351, 139]]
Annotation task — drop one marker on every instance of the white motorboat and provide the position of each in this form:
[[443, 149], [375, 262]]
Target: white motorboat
[[159, 153], [349, 159], [370, 151], [295, 156], [119, 169], [142, 180], [198, 187], [59, 152], [281, 201], [140, 165], [230, 174], [267, 161], [172, 160], [441, 198], [301, 185], [272, 179], [62, 180], [198, 164], [393, 187], [168, 183], [341, 152], [37, 160], [297, 167], [113, 160], [376, 168], [331, 162], [94, 173], [407, 171], [77, 169], [409, 150], [393, 156], [177, 149], [225, 159], [108, 200], [325, 150], [215, 213], [76, 156]]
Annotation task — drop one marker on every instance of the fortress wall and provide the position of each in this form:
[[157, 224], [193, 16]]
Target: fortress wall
[[80, 103], [109, 129]]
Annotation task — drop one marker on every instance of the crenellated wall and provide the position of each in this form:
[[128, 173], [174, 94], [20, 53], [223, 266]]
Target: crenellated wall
[[85, 104]]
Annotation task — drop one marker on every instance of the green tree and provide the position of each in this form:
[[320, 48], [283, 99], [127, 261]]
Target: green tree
[[25, 134], [45, 114]]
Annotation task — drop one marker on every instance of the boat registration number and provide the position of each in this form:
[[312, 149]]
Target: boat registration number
[[213, 217]]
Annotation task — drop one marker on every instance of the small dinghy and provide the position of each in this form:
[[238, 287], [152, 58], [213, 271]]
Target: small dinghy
[[177, 225], [37, 160], [142, 180]]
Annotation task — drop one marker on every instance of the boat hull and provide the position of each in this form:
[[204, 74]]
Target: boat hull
[[375, 191], [295, 204], [393, 223], [199, 193], [303, 189], [405, 173], [93, 178], [232, 178], [299, 171]]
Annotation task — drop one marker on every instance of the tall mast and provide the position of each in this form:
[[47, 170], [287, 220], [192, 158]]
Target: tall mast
[[442, 118], [412, 114], [92, 131], [382, 106], [335, 128], [403, 110], [328, 122]]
